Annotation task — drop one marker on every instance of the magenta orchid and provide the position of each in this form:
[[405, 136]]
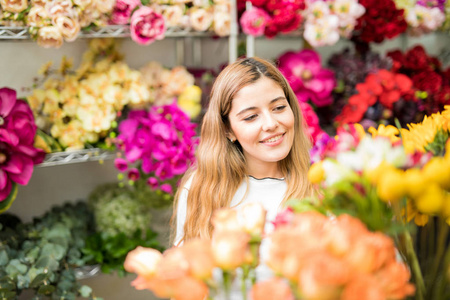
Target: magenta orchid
[[160, 142], [307, 78], [17, 153]]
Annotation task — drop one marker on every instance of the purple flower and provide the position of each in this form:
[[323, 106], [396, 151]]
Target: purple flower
[[121, 164], [133, 174], [17, 132], [307, 78], [153, 182], [167, 188]]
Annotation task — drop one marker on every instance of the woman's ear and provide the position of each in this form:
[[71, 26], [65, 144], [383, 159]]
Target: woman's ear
[[231, 137]]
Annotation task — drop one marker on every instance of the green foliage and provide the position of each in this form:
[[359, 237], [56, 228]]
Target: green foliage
[[437, 146], [110, 250], [153, 198], [42, 255]]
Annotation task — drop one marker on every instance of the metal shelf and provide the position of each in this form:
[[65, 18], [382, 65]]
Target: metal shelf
[[111, 31], [77, 156]]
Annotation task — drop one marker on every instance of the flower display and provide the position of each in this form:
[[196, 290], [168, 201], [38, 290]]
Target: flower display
[[53, 22], [235, 244], [81, 107], [122, 11], [382, 20], [307, 78], [423, 16], [429, 78], [326, 21], [382, 96], [17, 153], [162, 141], [394, 184]]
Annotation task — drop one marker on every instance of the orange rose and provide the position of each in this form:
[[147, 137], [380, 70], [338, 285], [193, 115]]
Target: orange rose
[[274, 288], [225, 219], [230, 249], [252, 217], [142, 261], [199, 255], [363, 287], [394, 280]]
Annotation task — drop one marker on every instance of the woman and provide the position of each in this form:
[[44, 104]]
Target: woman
[[253, 148]]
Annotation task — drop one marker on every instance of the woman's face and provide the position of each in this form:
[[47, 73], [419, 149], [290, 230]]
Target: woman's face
[[262, 120]]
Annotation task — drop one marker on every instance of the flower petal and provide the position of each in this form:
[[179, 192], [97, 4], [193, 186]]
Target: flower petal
[[27, 170], [8, 98], [8, 137], [3, 179]]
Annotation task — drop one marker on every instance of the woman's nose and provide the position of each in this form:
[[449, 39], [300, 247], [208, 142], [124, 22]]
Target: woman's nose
[[269, 122]]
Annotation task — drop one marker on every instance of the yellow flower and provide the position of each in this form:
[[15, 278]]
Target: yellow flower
[[189, 101], [437, 170], [421, 134], [391, 187], [415, 182], [316, 173], [375, 174], [411, 213], [431, 200], [389, 131]]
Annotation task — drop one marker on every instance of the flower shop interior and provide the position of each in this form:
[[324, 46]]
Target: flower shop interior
[[80, 187]]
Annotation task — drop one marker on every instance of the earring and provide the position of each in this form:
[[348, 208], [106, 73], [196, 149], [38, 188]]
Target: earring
[[231, 140]]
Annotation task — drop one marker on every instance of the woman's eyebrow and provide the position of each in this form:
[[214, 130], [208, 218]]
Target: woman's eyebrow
[[254, 107]]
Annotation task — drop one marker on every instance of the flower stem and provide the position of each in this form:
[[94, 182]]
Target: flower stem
[[245, 273], [227, 284], [442, 239], [415, 267]]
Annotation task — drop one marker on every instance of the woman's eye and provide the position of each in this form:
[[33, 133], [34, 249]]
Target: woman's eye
[[281, 107], [250, 118]]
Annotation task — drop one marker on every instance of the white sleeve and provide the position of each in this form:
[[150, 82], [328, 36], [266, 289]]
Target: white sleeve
[[181, 212]]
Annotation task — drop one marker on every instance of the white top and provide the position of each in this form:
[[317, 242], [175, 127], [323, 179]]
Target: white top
[[269, 192]]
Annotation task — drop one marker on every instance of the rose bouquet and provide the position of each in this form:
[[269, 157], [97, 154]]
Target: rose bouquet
[[80, 107], [158, 146], [388, 181], [53, 22], [17, 153]]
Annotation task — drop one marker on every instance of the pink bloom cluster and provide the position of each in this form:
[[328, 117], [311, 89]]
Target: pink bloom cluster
[[17, 132], [307, 78], [162, 141]]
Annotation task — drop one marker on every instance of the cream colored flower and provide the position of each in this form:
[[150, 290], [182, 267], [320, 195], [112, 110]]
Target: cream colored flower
[[178, 80], [49, 37], [152, 73], [96, 118], [38, 3], [82, 3], [69, 135], [38, 16], [59, 8], [252, 217], [201, 19], [104, 6], [69, 27], [142, 261], [15, 6], [222, 23], [201, 3], [173, 14]]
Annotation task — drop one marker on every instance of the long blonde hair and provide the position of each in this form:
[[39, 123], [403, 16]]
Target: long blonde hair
[[220, 164]]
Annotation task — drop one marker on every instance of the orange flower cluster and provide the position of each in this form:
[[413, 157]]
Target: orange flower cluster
[[337, 258], [186, 272]]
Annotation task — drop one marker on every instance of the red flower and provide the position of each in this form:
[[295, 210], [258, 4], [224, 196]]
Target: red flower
[[398, 59], [416, 59], [428, 81], [443, 96]]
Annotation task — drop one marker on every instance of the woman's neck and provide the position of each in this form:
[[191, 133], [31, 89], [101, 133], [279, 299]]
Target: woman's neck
[[264, 170]]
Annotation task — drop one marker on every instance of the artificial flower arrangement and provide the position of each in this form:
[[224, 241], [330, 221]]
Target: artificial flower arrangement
[[17, 152], [423, 16], [157, 146], [53, 22], [310, 256], [149, 22], [81, 107], [399, 185]]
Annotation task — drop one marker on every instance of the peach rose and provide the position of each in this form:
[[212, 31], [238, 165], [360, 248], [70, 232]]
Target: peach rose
[[225, 219], [37, 17], [142, 261], [363, 287], [58, 8], [274, 288], [15, 6], [394, 280], [49, 37], [252, 218], [104, 6], [82, 3], [199, 254], [178, 80], [173, 14], [201, 19], [222, 23], [230, 249], [69, 27]]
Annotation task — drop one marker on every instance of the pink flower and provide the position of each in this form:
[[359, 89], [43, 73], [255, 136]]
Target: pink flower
[[254, 21], [17, 153], [147, 26], [311, 119], [121, 164], [307, 78], [122, 11]]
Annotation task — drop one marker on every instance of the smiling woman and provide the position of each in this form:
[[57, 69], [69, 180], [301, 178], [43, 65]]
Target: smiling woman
[[253, 148]]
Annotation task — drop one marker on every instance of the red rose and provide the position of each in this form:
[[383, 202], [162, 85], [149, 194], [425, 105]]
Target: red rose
[[416, 59], [428, 81]]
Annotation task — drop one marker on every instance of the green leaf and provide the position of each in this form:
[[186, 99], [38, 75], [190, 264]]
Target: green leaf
[[7, 285], [85, 291], [4, 259], [46, 289], [47, 262], [15, 267], [6, 203], [54, 251], [38, 280], [6, 294]]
